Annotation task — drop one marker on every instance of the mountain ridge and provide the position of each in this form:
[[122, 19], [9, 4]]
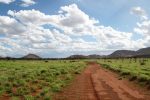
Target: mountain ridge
[[143, 52], [31, 56]]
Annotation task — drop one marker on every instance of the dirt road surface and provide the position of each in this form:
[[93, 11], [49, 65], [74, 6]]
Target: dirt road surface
[[96, 83]]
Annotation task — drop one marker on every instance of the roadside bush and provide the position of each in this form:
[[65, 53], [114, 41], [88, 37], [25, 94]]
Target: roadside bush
[[77, 72], [33, 89], [44, 91], [68, 77], [47, 98], [142, 63], [124, 73], [22, 91], [56, 87], [8, 89], [1, 90], [15, 98], [11, 78], [20, 82], [29, 97], [143, 78], [132, 78]]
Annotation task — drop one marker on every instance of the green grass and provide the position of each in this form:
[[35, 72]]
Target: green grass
[[135, 69], [33, 79]]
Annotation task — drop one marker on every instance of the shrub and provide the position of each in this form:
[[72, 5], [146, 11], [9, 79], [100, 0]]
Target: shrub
[[20, 82], [22, 91], [11, 78], [29, 97], [63, 71], [49, 79], [15, 98], [142, 63], [47, 98], [43, 71], [42, 93], [33, 89], [1, 90], [40, 86], [77, 71], [132, 78], [56, 87], [8, 89], [68, 77], [37, 97], [142, 79], [24, 75], [34, 81], [123, 73], [45, 91], [46, 61]]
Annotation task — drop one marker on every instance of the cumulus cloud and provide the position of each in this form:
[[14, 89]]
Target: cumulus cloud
[[26, 31], [74, 17], [10, 26], [139, 12], [26, 3], [143, 27], [6, 1]]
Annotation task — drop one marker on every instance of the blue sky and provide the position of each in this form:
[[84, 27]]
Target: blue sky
[[95, 26]]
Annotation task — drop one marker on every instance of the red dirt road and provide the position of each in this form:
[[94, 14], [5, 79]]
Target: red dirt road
[[96, 83]]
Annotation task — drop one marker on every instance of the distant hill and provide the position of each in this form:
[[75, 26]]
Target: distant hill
[[77, 57], [94, 56], [122, 53], [144, 52], [31, 56], [1, 57]]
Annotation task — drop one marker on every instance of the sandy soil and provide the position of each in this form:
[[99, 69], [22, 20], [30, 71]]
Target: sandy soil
[[96, 83]]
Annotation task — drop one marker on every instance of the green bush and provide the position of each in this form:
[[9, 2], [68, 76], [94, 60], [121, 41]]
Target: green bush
[[15, 98], [29, 97], [56, 87], [22, 91]]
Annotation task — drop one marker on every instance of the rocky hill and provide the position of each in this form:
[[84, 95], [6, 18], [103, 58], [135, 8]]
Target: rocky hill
[[144, 52], [31, 56], [122, 53]]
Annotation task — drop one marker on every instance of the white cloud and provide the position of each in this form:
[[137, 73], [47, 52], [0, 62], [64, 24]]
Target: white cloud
[[6, 1], [139, 12], [26, 29], [74, 17], [26, 3], [143, 28], [31, 17], [10, 26]]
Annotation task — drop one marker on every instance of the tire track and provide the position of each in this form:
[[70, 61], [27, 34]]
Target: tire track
[[95, 83]]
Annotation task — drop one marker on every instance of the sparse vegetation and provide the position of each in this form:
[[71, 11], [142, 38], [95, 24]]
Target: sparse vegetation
[[133, 68], [36, 79]]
